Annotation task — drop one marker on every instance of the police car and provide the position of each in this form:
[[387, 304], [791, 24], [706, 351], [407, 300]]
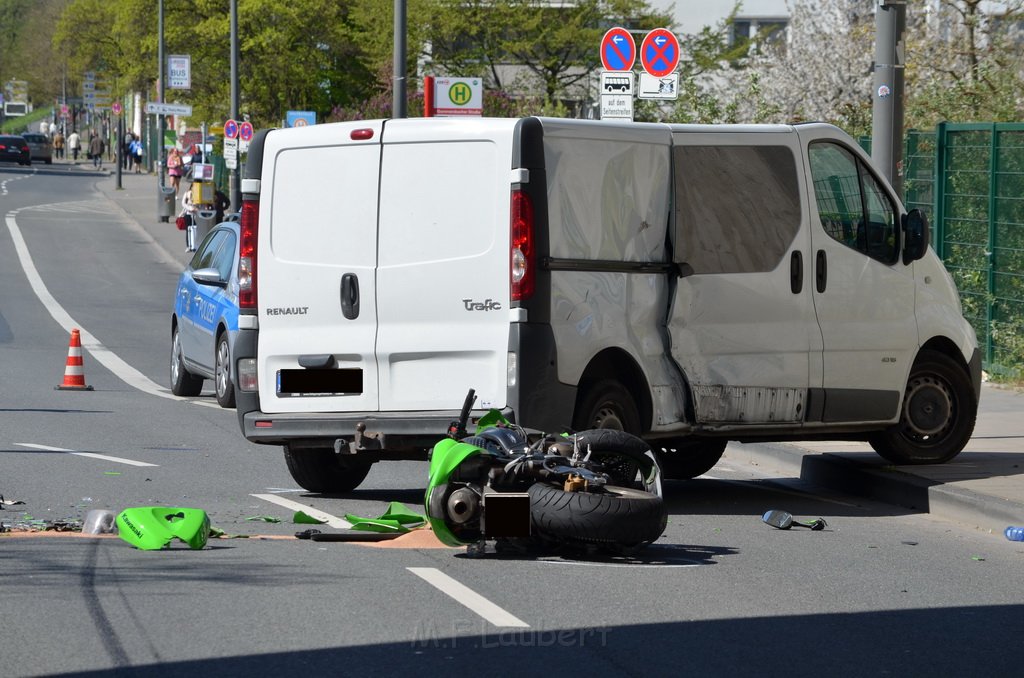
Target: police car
[[204, 323]]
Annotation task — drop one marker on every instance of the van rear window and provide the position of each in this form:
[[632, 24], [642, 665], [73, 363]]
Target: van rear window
[[737, 207]]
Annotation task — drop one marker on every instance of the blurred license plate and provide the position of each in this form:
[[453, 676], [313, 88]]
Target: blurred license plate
[[307, 382]]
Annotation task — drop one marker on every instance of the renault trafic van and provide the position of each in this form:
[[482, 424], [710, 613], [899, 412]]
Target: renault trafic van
[[688, 284]]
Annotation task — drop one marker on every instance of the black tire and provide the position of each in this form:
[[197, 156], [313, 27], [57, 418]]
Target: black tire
[[607, 404], [937, 417], [618, 517], [223, 386], [324, 471], [620, 454], [183, 382], [687, 458]]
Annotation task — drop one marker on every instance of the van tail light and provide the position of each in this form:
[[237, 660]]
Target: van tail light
[[249, 229], [524, 254]]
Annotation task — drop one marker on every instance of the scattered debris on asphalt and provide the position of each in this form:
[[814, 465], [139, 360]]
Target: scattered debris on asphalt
[[9, 502], [397, 519], [266, 519], [302, 517], [783, 520]]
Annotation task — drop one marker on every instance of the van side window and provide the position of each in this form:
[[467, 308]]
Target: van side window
[[853, 208], [737, 207]]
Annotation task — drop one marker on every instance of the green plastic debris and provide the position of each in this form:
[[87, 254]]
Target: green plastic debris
[[398, 518], [152, 528], [266, 519], [217, 533], [306, 519], [111, 473]]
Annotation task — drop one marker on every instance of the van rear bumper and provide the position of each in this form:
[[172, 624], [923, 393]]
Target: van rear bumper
[[360, 431]]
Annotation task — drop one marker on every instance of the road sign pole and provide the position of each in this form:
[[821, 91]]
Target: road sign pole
[[120, 149], [234, 187]]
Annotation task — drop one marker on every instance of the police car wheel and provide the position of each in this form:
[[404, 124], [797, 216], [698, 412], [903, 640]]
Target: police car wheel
[[183, 383], [224, 389]]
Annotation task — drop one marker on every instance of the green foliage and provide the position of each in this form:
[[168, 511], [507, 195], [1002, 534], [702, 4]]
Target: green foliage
[[526, 46]]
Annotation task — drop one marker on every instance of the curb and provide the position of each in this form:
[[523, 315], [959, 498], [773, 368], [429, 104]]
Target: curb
[[887, 484]]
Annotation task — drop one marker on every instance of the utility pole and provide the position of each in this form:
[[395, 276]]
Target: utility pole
[[398, 107], [887, 97]]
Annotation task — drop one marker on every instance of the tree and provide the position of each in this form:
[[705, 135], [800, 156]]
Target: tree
[[26, 51], [963, 63], [554, 44]]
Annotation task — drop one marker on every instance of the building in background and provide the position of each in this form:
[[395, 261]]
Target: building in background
[[752, 17]]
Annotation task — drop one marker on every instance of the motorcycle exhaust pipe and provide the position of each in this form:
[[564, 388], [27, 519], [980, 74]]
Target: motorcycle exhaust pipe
[[463, 506]]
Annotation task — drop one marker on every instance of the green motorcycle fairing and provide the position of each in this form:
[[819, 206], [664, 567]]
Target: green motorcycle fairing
[[447, 455], [152, 528]]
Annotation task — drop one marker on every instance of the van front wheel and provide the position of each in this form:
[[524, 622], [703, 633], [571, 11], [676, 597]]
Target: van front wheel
[[607, 404], [938, 414], [322, 470]]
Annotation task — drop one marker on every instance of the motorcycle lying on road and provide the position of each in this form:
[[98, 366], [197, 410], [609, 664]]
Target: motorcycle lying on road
[[593, 491]]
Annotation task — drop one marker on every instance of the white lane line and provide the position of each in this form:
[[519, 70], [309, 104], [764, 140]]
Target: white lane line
[[101, 353], [333, 521], [93, 455], [468, 597]]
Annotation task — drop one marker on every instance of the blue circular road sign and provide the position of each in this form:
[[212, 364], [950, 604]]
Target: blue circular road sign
[[659, 52], [618, 51]]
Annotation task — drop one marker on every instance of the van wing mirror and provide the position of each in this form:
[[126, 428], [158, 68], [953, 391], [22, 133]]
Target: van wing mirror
[[916, 235]]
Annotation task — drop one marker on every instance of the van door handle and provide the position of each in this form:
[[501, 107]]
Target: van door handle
[[796, 272], [821, 272], [350, 296]]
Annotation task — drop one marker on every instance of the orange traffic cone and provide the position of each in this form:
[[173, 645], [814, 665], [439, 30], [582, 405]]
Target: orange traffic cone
[[74, 374]]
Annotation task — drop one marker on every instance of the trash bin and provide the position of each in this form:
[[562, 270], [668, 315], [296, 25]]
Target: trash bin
[[166, 200], [205, 221]]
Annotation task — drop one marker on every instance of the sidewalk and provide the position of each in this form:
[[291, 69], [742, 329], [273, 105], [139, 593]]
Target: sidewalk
[[139, 197], [983, 487]]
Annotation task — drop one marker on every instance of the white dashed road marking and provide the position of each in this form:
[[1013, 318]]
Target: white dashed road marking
[[92, 455], [468, 597]]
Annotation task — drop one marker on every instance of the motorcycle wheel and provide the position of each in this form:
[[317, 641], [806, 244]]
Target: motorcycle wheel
[[617, 518], [621, 454]]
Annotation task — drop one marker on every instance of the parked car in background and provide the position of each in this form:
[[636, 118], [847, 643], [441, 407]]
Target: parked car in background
[[14, 149], [39, 146], [204, 322]]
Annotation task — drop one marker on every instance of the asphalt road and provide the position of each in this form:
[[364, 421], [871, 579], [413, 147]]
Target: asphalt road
[[882, 591]]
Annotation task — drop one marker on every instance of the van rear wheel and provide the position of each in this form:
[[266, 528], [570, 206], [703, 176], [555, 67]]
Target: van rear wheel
[[322, 470], [938, 414], [607, 404], [686, 458]]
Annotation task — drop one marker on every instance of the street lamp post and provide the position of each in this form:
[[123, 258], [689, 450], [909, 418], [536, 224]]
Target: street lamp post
[[887, 97], [162, 156]]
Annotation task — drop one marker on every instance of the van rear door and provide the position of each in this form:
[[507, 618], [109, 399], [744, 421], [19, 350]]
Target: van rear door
[[316, 268], [443, 305]]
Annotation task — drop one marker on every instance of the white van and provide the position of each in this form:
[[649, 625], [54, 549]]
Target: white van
[[688, 284]]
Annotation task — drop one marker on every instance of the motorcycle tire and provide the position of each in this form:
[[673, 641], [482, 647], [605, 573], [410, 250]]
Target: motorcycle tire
[[618, 517], [621, 454]]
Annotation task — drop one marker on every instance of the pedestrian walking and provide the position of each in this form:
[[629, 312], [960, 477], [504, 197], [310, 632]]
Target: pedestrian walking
[[175, 168], [74, 144], [135, 149], [96, 149], [126, 154], [58, 144]]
